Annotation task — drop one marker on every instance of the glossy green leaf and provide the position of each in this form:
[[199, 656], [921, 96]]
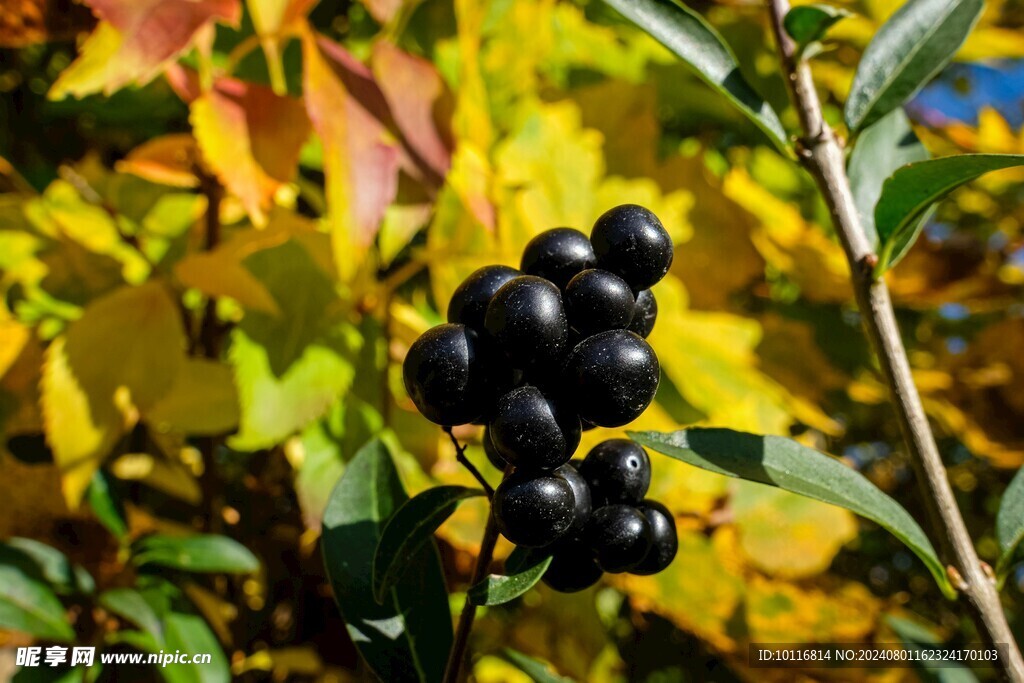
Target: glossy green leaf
[[883, 147], [55, 566], [781, 462], [534, 668], [407, 638], [911, 191], [411, 527], [916, 637], [1010, 522], [27, 604], [131, 605], [200, 553], [809, 23], [524, 569], [190, 633], [105, 504], [699, 45], [914, 45]]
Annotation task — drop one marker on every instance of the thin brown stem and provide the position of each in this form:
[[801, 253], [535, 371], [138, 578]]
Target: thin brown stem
[[460, 455], [822, 154], [457, 656]]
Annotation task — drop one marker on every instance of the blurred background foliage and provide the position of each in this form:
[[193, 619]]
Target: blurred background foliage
[[222, 223]]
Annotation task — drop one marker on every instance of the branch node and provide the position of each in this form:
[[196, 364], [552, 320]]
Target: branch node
[[986, 569], [956, 578]]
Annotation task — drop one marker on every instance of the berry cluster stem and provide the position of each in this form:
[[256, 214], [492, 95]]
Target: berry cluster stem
[[460, 455], [822, 155], [457, 656]]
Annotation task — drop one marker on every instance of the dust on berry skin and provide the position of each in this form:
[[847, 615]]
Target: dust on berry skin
[[558, 255], [468, 304], [581, 495], [620, 537], [533, 510], [631, 242], [445, 374], [617, 471], [598, 300], [527, 320], [533, 431], [645, 314], [613, 376]]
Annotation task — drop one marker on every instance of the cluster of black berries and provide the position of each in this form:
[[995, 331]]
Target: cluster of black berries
[[542, 353]]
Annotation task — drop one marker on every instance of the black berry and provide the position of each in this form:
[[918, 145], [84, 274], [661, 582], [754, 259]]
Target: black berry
[[631, 242], [572, 568], [645, 313], [617, 471], [665, 542], [492, 453], [445, 374], [581, 495], [530, 430], [527, 320], [613, 377], [597, 300], [620, 537], [557, 255], [470, 299], [533, 510]]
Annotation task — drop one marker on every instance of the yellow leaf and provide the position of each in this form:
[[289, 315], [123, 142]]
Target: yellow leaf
[[781, 612], [13, 337], [96, 70], [202, 400], [168, 160]]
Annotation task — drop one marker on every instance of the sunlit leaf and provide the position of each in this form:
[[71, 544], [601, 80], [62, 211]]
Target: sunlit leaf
[[523, 569], [206, 553], [169, 160], [537, 670], [806, 24], [202, 401], [107, 507]]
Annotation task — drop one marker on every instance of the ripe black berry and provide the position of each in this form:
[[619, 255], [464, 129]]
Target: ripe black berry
[[620, 537], [645, 312], [572, 568], [663, 534], [470, 299], [617, 471], [533, 510], [597, 300], [492, 453], [581, 495], [613, 377], [630, 241], [530, 430], [526, 319], [557, 255], [445, 374]]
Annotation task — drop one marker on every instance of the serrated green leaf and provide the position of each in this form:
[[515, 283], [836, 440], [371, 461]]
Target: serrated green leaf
[[914, 45], [910, 193], [200, 553], [107, 507], [408, 638], [1010, 522], [27, 604], [411, 527], [781, 462], [524, 569], [699, 45], [809, 23], [883, 147], [534, 668]]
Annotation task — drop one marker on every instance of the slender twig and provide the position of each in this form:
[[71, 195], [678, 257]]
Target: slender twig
[[457, 656], [822, 154], [460, 455]]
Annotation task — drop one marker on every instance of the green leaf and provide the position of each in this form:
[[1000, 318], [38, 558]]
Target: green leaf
[[191, 633], [694, 41], [129, 604], [200, 553], [106, 505], [524, 569], [27, 604], [1010, 522], [807, 24], [914, 45], [883, 147], [409, 530], [776, 461], [408, 638], [911, 191], [54, 566], [535, 669], [914, 636]]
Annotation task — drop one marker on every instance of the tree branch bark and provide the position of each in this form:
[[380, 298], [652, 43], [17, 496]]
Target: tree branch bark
[[822, 154]]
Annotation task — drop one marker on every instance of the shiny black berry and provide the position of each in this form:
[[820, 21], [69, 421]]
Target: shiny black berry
[[529, 430], [572, 568], [613, 377], [557, 255], [470, 299], [533, 510], [492, 453], [645, 313], [581, 495], [527, 320], [617, 471], [597, 300], [665, 542], [445, 373], [619, 536], [631, 242]]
